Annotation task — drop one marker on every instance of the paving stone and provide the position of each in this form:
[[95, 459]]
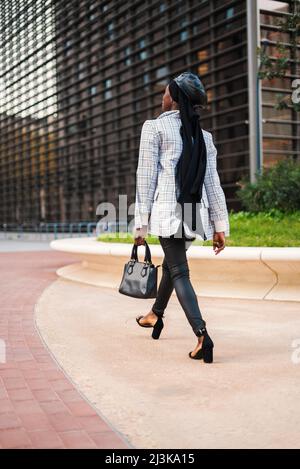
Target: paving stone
[[39, 406]]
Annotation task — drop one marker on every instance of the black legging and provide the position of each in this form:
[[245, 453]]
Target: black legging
[[175, 273]]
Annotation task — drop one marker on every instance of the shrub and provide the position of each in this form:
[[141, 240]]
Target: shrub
[[276, 188]]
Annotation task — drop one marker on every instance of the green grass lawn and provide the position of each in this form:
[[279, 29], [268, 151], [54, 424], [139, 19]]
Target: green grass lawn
[[273, 229]]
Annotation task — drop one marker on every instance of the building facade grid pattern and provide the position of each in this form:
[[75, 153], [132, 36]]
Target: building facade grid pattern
[[79, 78]]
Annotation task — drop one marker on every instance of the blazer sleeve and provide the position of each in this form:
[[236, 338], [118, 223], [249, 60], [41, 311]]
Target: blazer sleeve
[[217, 203], [146, 173]]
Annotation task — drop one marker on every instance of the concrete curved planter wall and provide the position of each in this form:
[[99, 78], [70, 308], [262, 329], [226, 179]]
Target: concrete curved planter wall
[[237, 272]]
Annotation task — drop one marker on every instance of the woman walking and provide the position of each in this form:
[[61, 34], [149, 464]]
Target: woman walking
[[179, 198]]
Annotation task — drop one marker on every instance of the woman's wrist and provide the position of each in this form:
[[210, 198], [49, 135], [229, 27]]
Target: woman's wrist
[[140, 231]]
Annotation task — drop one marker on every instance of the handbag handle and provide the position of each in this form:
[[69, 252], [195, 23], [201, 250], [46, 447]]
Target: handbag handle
[[134, 255]]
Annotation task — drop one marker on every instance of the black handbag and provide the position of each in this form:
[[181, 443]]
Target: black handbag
[[139, 278]]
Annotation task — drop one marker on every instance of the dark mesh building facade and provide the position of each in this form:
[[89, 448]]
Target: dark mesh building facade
[[79, 78]]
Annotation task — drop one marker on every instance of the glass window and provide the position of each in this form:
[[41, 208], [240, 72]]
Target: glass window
[[183, 35], [230, 12], [146, 78], [162, 73], [107, 83], [107, 94], [143, 55]]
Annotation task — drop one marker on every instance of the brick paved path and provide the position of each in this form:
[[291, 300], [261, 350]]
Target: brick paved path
[[39, 406]]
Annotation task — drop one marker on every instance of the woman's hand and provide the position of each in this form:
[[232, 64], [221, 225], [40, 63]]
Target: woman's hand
[[218, 241], [140, 234]]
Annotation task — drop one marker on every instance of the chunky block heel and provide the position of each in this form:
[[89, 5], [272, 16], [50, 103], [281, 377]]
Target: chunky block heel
[[158, 327], [208, 355], [207, 347]]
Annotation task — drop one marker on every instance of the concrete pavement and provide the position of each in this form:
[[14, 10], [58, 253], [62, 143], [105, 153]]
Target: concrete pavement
[[154, 393]]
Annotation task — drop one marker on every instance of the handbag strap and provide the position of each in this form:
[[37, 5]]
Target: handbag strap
[[134, 254], [147, 253]]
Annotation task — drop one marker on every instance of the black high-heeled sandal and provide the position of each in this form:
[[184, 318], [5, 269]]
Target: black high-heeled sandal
[[157, 328], [206, 351]]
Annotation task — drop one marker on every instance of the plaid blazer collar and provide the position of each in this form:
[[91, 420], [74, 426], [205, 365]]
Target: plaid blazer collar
[[173, 113]]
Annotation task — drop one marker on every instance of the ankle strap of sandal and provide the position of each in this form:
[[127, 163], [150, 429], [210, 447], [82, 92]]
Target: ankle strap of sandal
[[201, 332]]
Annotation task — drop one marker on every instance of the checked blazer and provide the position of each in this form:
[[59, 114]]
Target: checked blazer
[[156, 203]]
